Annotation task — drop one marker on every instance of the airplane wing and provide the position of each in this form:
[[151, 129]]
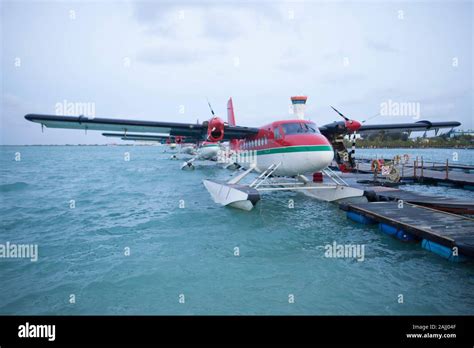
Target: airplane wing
[[193, 130], [145, 137], [339, 128], [416, 126]]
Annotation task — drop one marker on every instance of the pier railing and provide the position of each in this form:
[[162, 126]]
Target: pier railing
[[421, 170]]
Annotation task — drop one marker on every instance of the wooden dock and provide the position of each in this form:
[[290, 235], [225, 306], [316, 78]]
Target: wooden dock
[[452, 205], [440, 232]]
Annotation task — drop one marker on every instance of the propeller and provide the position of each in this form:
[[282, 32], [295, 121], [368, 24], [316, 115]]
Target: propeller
[[352, 126], [213, 114], [215, 127]]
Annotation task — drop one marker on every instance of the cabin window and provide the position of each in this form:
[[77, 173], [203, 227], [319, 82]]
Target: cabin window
[[276, 133]]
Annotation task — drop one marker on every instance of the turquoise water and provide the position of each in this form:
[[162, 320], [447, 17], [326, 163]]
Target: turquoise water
[[455, 156], [136, 204]]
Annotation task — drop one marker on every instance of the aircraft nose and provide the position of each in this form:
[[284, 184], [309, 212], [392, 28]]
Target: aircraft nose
[[309, 140], [323, 140]]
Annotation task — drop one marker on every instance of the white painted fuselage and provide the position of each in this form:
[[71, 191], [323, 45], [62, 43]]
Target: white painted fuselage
[[208, 151], [296, 154]]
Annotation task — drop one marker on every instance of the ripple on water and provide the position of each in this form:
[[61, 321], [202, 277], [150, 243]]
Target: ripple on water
[[13, 187]]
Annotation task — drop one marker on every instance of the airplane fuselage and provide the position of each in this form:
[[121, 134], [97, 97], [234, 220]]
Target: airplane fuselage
[[208, 150], [187, 149], [296, 144]]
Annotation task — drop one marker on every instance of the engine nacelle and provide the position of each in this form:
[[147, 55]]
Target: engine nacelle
[[215, 129], [352, 125]]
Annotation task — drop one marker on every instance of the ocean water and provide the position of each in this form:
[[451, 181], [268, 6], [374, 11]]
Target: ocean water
[[455, 156], [189, 250]]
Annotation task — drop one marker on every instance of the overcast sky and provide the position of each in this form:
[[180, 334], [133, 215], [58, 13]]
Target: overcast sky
[[152, 61]]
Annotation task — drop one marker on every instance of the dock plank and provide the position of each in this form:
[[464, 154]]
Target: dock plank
[[441, 227]]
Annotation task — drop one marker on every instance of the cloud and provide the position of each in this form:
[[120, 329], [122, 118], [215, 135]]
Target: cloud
[[215, 20], [292, 60], [381, 46], [219, 24], [449, 105], [149, 12], [177, 54], [446, 96], [10, 101], [344, 78], [12, 121]]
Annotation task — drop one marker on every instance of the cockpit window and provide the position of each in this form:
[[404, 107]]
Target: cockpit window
[[312, 128], [300, 128]]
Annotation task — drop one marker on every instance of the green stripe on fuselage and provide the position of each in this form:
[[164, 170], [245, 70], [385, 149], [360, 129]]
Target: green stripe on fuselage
[[287, 149]]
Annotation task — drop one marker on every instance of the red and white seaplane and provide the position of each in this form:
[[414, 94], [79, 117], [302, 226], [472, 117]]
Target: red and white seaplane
[[281, 149], [199, 150], [184, 145]]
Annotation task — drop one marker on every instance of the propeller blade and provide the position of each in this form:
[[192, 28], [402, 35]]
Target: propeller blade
[[344, 117], [210, 107]]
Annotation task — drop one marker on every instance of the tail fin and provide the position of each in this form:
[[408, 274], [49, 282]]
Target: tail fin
[[234, 143], [230, 113]]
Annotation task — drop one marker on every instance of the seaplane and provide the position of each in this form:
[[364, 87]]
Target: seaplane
[[281, 153], [207, 150], [185, 145], [199, 150]]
